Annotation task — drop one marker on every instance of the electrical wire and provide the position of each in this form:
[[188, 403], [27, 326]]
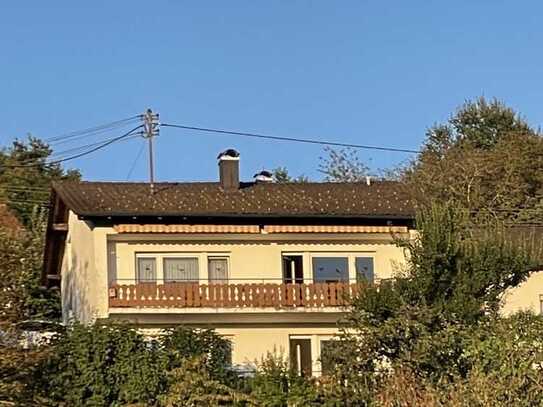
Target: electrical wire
[[293, 139], [83, 147], [135, 161], [92, 134], [91, 129], [61, 154], [92, 150]]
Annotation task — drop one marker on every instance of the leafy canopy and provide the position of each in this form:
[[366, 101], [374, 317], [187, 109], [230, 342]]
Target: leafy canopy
[[21, 255], [485, 158], [26, 176]]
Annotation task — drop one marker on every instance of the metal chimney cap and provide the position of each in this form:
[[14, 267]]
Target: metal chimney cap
[[263, 176], [229, 154]]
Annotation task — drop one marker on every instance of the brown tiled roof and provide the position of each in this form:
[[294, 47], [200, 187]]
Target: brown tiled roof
[[380, 199]]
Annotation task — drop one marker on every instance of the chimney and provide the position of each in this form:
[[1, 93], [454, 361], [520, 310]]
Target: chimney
[[229, 170], [263, 177]]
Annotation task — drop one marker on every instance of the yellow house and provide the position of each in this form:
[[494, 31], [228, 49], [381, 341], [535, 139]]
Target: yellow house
[[268, 265]]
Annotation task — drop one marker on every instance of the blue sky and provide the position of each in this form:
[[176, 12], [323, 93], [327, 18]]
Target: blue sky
[[367, 72]]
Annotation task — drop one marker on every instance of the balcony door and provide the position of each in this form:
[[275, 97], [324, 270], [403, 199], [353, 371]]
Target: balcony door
[[293, 269]]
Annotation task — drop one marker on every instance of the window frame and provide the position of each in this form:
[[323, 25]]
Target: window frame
[[351, 262], [358, 276], [159, 256], [137, 271], [320, 339], [218, 257], [331, 256], [191, 281]]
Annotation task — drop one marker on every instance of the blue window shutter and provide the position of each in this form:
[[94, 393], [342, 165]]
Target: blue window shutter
[[364, 269]]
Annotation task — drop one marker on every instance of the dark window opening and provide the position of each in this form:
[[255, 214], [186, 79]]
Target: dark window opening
[[300, 356], [328, 351], [293, 269]]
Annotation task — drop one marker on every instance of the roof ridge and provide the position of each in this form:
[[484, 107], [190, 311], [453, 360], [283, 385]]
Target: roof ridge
[[361, 183]]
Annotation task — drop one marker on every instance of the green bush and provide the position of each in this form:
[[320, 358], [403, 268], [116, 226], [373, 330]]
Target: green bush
[[276, 385], [191, 384], [214, 351], [105, 365], [113, 365]]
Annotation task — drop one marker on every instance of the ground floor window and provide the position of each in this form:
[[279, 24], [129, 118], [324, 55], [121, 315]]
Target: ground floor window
[[300, 357], [328, 348]]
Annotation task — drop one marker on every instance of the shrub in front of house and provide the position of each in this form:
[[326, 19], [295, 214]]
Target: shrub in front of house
[[110, 364]]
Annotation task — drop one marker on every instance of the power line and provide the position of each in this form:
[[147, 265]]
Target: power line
[[83, 147], [135, 161], [92, 133], [91, 129], [293, 139], [62, 153], [99, 147]]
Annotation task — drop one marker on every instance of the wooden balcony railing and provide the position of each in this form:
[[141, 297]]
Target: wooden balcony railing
[[194, 295]]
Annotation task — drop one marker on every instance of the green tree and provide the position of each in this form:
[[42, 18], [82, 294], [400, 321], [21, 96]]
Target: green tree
[[21, 255], [26, 175], [454, 281], [281, 175], [485, 158]]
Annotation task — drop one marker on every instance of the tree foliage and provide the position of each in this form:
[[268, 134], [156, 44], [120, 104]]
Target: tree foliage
[[281, 175], [116, 365], [21, 255], [439, 320], [485, 158], [343, 165], [26, 176]]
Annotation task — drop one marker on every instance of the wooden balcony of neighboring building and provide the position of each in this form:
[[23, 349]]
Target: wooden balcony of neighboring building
[[248, 295]]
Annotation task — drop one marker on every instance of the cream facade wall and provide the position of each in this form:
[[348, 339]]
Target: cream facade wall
[[251, 344], [96, 257], [525, 297], [84, 272], [254, 258]]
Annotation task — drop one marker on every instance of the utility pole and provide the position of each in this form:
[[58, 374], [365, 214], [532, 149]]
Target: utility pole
[[150, 130]]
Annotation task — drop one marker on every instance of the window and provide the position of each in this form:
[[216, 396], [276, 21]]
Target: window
[[146, 269], [218, 270], [300, 356], [182, 269], [293, 270], [364, 269], [328, 348], [330, 269]]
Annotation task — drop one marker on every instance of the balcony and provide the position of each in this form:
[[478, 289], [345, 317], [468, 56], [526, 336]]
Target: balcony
[[229, 295]]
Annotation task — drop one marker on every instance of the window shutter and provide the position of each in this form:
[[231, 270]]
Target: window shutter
[[181, 269], [218, 270], [364, 269], [146, 269]]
